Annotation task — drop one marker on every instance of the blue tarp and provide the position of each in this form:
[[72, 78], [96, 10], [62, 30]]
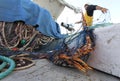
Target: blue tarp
[[31, 14]]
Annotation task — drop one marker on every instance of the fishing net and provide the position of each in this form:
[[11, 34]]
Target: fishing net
[[17, 39]]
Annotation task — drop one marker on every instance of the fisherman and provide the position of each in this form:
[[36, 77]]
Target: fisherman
[[88, 16]]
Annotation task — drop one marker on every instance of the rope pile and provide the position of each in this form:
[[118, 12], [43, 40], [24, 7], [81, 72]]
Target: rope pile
[[19, 36], [16, 37]]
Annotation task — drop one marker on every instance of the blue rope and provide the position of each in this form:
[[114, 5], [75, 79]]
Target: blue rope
[[10, 69], [2, 65]]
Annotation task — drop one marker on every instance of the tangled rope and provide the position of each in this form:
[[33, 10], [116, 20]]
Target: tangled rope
[[19, 36], [14, 38]]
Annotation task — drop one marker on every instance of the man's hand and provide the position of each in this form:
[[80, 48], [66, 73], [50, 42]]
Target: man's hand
[[104, 10]]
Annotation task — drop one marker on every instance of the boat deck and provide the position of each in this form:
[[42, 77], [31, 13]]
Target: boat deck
[[44, 70]]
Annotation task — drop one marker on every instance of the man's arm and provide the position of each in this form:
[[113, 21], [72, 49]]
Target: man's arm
[[104, 10], [78, 22]]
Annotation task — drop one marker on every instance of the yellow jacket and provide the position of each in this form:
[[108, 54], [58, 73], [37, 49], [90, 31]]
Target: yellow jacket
[[88, 19]]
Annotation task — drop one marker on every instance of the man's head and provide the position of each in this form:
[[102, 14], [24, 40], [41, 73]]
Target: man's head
[[86, 5]]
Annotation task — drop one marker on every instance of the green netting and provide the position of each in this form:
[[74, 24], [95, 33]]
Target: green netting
[[100, 25]]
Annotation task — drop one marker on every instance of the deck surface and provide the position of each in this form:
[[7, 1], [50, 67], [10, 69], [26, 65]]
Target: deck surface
[[47, 71]]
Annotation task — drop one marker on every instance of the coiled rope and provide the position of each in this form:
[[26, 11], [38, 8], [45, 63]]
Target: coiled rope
[[21, 36], [9, 70], [18, 36]]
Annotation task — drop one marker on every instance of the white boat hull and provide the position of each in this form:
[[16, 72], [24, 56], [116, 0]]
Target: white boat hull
[[106, 56]]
